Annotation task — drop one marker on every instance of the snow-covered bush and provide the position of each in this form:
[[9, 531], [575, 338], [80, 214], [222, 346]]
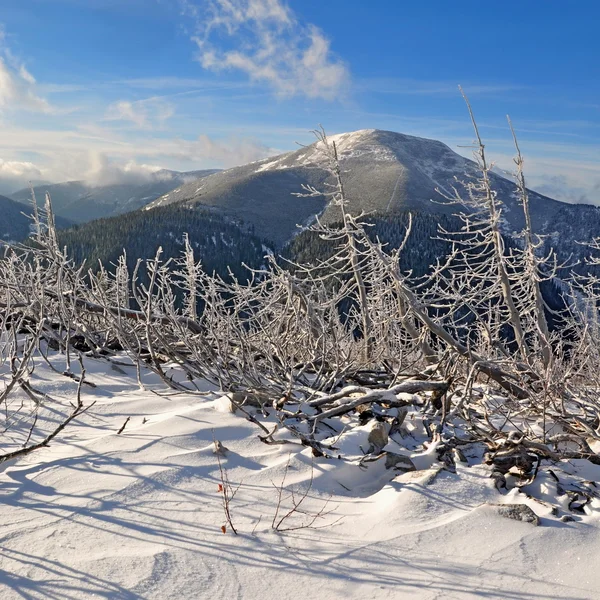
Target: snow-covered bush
[[352, 335]]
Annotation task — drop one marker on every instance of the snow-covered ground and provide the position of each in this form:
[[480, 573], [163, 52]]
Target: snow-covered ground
[[139, 515]]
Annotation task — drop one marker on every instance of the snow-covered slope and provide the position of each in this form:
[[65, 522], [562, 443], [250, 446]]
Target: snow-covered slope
[[384, 171], [138, 515]]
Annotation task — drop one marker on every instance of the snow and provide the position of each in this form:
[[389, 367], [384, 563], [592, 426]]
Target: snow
[[268, 165], [138, 515], [349, 145]]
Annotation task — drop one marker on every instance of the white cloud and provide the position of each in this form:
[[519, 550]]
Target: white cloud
[[17, 90], [224, 153], [18, 170], [270, 46], [103, 170], [65, 154], [15, 175], [145, 114], [562, 187], [26, 76], [100, 159]]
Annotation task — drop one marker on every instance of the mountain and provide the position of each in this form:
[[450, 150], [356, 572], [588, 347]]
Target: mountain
[[81, 202], [15, 225], [385, 172], [34, 182]]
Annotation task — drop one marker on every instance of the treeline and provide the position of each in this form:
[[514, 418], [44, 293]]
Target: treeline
[[14, 225]]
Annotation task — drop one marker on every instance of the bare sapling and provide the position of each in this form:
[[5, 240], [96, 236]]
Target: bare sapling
[[225, 488], [292, 512]]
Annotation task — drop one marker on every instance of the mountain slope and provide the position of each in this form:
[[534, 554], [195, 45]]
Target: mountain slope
[[217, 242], [81, 202], [15, 225], [568, 233], [384, 172]]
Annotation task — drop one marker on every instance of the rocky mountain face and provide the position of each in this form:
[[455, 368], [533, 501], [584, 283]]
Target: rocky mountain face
[[80, 202], [385, 172]]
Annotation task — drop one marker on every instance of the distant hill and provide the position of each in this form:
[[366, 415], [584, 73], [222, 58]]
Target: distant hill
[[422, 249], [385, 172], [35, 182], [15, 225], [81, 202]]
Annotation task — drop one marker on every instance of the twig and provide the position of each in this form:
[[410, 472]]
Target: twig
[[123, 426]]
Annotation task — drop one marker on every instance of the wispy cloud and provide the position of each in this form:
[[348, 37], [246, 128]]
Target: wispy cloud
[[149, 113], [173, 83], [565, 188], [170, 84], [563, 171], [226, 153], [413, 87], [95, 154], [17, 84], [270, 45], [102, 170]]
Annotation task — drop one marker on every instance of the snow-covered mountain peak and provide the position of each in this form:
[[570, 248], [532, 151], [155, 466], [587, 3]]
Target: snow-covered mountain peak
[[374, 145]]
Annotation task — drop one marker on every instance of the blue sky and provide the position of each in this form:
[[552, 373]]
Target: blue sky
[[111, 89]]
